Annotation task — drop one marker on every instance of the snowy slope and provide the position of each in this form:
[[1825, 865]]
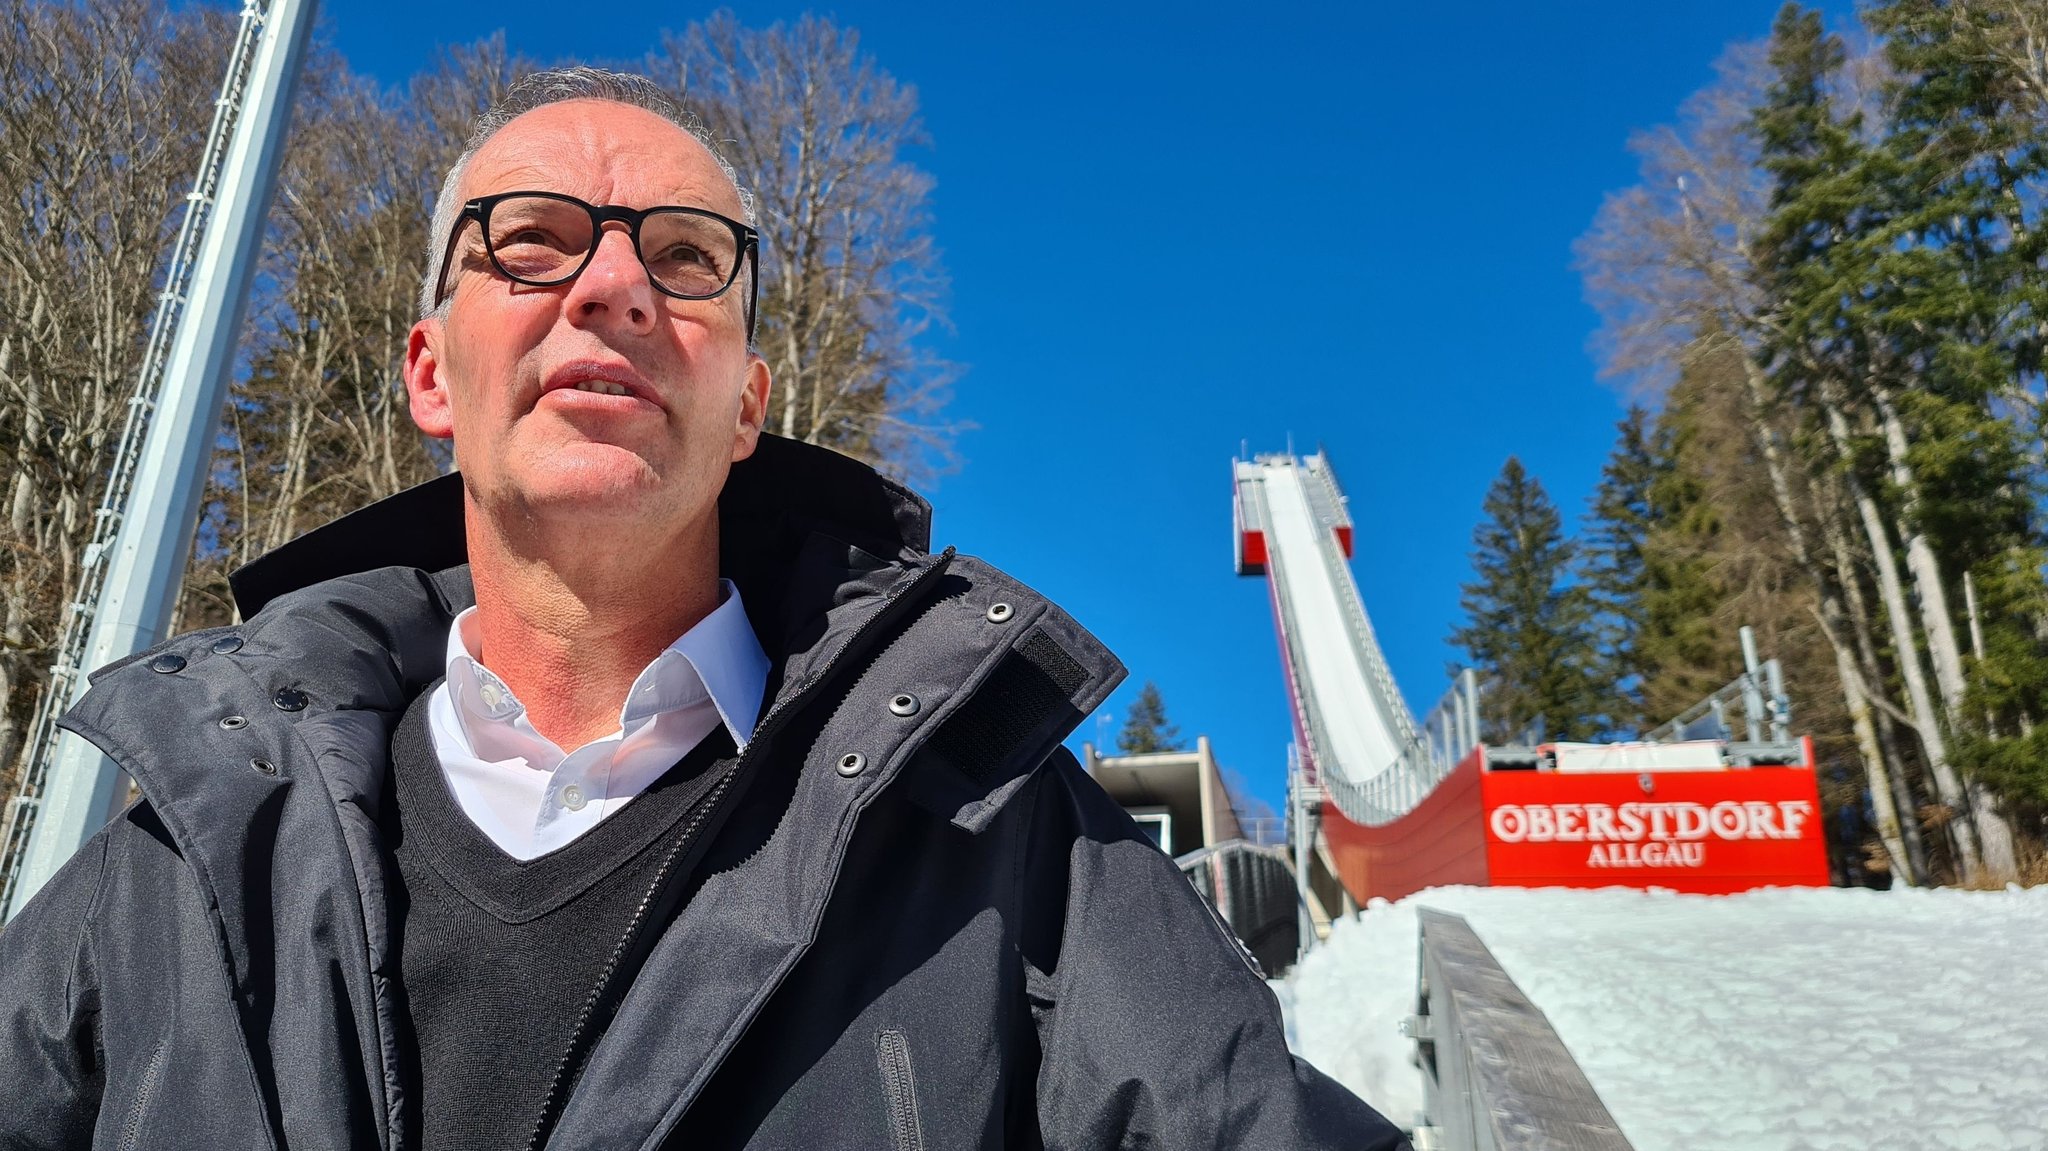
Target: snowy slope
[[1361, 746], [1772, 1021]]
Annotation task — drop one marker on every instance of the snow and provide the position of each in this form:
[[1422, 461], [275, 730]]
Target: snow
[[1778, 1020], [1361, 746]]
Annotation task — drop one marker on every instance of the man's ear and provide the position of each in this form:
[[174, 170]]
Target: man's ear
[[425, 388], [753, 407]]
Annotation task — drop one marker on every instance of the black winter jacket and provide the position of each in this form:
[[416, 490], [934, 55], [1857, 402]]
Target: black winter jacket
[[916, 926]]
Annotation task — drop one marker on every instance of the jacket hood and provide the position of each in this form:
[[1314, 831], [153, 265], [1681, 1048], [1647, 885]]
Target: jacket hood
[[773, 500]]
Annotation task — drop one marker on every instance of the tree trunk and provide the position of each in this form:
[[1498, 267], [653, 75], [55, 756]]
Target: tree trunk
[[1850, 581], [1881, 796], [1905, 859], [1938, 622], [1920, 703]]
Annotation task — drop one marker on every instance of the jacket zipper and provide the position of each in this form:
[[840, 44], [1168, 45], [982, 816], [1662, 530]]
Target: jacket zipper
[[604, 999], [131, 1132], [892, 1053]]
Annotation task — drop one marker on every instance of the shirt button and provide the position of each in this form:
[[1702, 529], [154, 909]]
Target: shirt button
[[572, 798]]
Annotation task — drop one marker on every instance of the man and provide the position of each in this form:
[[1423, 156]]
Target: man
[[701, 806]]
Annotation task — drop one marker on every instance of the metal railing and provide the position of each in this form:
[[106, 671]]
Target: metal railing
[[1495, 1075], [1451, 728], [1756, 698], [1326, 503], [1422, 762], [1264, 830]]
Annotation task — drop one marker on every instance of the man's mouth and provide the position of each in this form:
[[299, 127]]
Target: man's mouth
[[598, 378]]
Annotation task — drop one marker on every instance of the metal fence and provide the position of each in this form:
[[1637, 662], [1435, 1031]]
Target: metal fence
[[1495, 1076], [1431, 749], [1754, 700]]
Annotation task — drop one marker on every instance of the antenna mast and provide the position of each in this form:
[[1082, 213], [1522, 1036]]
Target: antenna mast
[[142, 531]]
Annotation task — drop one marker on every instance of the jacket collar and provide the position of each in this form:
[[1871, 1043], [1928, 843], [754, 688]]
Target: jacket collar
[[759, 523]]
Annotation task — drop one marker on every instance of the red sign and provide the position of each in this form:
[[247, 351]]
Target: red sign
[[1712, 832]]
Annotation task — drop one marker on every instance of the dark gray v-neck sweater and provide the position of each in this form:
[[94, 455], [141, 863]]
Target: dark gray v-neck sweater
[[499, 956]]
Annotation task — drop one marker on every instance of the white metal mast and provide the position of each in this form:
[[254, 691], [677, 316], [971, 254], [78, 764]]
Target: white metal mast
[[142, 532]]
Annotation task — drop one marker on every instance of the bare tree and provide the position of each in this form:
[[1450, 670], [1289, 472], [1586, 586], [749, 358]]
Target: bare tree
[[851, 278], [107, 107], [318, 426]]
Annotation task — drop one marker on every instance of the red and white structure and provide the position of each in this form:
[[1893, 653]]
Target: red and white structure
[[1383, 805]]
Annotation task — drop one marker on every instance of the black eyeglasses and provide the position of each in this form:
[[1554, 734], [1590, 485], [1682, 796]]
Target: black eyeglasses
[[544, 238]]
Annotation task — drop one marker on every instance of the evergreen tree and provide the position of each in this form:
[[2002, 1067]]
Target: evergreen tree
[[1884, 289], [1531, 629], [1850, 293], [1956, 291], [1712, 558], [1146, 729], [1617, 526], [2005, 746], [1822, 195], [1959, 300]]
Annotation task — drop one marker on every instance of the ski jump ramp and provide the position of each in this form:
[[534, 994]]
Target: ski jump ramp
[[1370, 779], [1383, 804], [1355, 734]]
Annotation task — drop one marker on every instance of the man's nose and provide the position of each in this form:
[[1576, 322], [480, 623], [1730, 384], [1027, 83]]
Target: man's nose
[[613, 287]]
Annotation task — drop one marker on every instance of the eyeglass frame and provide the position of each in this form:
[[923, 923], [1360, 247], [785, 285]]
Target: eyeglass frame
[[479, 209]]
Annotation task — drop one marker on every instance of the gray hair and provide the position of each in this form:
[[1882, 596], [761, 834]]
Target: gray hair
[[537, 90]]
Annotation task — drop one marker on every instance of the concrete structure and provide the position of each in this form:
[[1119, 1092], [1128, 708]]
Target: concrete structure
[[1178, 797], [1495, 1076], [1180, 800]]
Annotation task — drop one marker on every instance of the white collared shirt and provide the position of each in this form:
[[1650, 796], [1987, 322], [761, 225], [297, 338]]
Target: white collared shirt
[[530, 797]]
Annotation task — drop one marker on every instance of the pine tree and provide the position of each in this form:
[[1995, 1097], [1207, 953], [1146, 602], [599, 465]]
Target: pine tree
[[1531, 629], [1146, 729], [1617, 525], [1958, 299], [1954, 300], [1885, 319], [1689, 647], [2006, 746]]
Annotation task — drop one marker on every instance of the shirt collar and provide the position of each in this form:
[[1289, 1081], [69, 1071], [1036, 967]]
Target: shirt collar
[[719, 657]]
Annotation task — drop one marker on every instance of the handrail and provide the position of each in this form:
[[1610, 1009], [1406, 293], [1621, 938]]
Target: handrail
[[1495, 1075], [1364, 641], [1397, 787], [1756, 698]]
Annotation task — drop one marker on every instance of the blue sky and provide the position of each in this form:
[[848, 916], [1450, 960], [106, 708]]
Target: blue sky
[[1340, 225]]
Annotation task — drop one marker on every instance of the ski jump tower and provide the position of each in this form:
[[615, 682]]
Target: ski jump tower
[[1382, 804]]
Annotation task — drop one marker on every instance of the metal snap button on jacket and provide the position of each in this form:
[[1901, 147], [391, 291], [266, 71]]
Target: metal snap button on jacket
[[227, 645], [852, 764], [290, 699], [999, 613], [904, 704], [167, 663]]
